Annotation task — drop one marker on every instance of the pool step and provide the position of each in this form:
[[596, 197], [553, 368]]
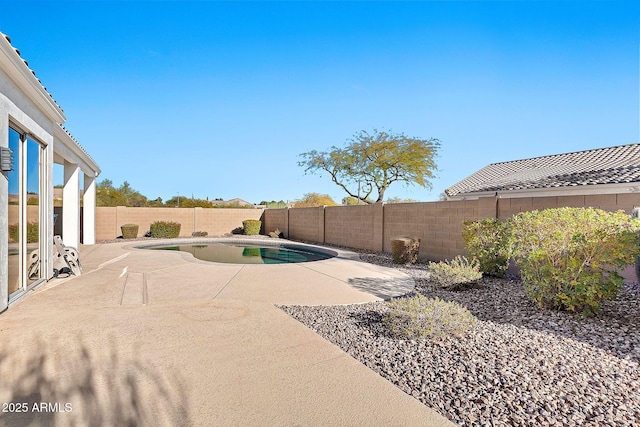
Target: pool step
[[135, 289]]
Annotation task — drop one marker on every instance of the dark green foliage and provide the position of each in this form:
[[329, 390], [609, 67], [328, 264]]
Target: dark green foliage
[[251, 252], [569, 257], [165, 229], [273, 204], [489, 240], [187, 202], [13, 232], [251, 226], [129, 231], [32, 232]]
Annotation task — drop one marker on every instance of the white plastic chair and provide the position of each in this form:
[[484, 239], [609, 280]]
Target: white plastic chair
[[65, 259]]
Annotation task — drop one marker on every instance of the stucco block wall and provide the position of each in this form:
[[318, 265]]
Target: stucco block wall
[[144, 217], [219, 221], [307, 224], [276, 218], [437, 224], [353, 226], [214, 221], [107, 223], [627, 202], [370, 227], [607, 202]]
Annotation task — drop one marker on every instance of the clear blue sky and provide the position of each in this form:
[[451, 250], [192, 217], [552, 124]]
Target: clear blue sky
[[218, 99]]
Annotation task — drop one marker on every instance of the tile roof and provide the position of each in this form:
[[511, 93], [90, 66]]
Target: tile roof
[[611, 165], [77, 143]]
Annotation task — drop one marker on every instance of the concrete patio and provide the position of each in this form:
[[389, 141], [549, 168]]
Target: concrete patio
[[160, 338]]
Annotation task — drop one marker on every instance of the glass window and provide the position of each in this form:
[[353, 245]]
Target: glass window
[[14, 213], [33, 210], [24, 212]]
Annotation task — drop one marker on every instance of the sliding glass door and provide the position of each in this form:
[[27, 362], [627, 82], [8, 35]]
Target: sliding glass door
[[15, 209], [33, 214], [25, 212]]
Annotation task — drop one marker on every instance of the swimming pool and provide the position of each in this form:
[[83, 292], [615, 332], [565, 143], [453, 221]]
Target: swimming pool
[[248, 252]]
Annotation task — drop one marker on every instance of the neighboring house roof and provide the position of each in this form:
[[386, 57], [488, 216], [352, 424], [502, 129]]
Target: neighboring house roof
[[236, 201], [611, 165]]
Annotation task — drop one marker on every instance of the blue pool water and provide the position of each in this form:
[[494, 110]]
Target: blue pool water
[[248, 253]]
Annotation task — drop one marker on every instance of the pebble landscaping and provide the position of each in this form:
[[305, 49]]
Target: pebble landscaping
[[521, 365]]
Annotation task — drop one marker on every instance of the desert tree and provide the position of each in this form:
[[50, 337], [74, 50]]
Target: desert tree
[[371, 162], [313, 200]]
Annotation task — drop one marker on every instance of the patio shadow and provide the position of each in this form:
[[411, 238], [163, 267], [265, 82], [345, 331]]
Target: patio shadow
[[384, 288], [60, 383]]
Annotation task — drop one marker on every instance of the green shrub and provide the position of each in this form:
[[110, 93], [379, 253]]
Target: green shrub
[[569, 257], [129, 231], [455, 273], [251, 251], [490, 241], [417, 317], [251, 226], [13, 232], [405, 250], [32, 232], [165, 229], [199, 234]]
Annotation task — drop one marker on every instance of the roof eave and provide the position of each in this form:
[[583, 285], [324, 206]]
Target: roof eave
[[577, 190], [24, 78], [73, 149]]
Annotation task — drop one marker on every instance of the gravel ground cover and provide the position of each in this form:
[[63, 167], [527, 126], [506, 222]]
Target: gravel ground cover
[[520, 366]]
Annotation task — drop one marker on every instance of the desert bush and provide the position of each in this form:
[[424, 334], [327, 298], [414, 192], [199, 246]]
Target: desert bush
[[165, 229], [456, 273], [32, 232], [405, 250], [129, 231], [490, 241], [251, 226], [199, 234], [569, 257], [417, 317]]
